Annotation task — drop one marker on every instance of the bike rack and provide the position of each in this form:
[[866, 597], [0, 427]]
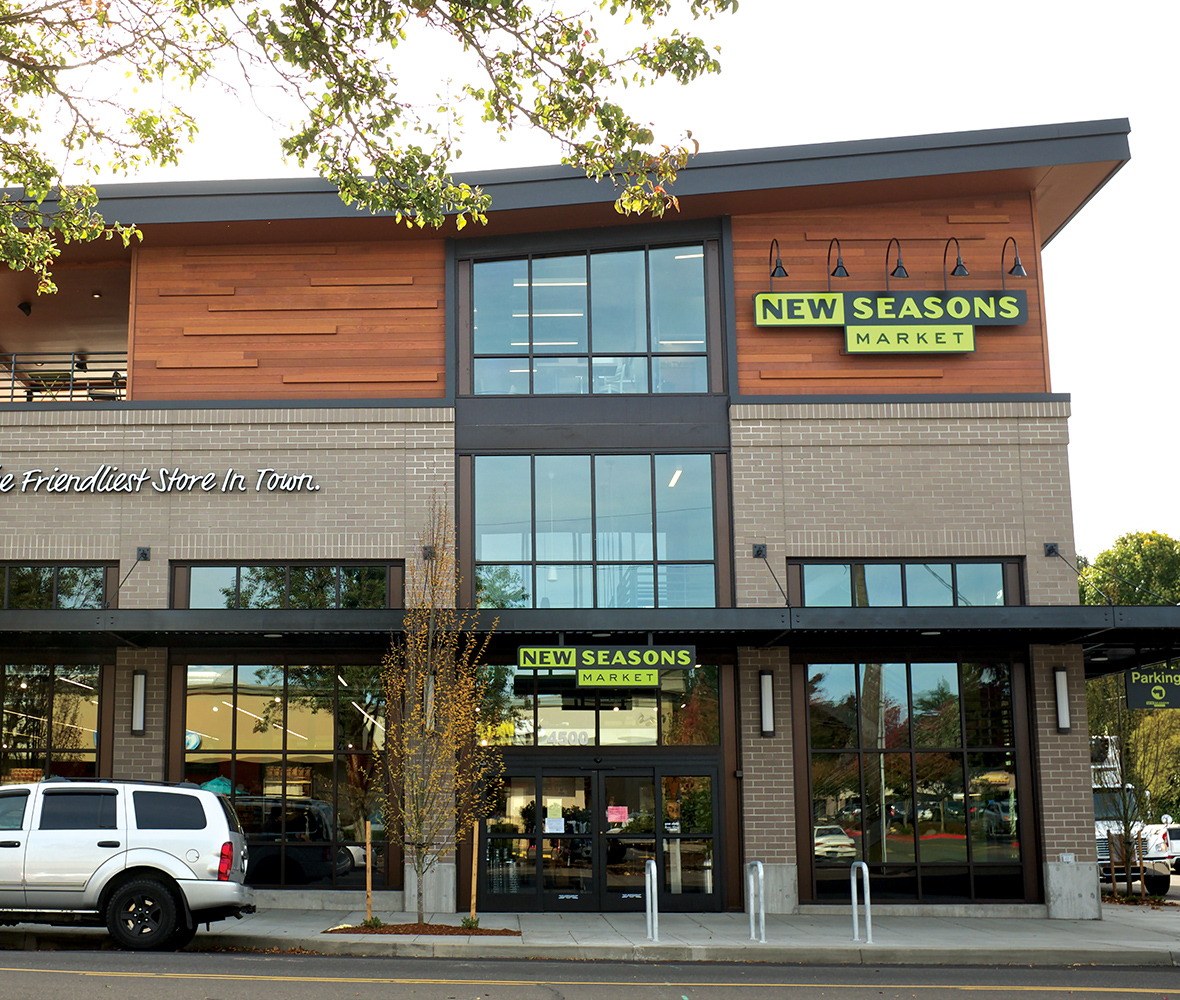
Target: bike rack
[[864, 870], [651, 903], [756, 884]]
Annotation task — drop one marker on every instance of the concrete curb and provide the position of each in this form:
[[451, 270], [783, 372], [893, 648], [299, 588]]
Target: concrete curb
[[389, 946]]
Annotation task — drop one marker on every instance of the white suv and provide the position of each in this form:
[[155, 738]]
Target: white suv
[[151, 861]]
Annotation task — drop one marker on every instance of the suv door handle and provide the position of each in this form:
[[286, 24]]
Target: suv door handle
[[108, 843], [9, 843]]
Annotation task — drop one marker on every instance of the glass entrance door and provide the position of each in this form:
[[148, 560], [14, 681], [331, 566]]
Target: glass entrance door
[[579, 839]]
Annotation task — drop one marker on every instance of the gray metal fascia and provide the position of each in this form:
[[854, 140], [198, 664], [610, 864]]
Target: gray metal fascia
[[707, 173], [703, 621]]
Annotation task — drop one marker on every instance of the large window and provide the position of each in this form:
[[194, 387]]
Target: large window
[[45, 586], [970, 583], [354, 586], [586, 531], [293, 746], [914, 771], [630, 321], [50, 726]]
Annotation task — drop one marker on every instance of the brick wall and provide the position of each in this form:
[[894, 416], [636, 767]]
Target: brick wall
[[376, 470], [140, 758], [1062, 760], [902, 480], [768, 803]]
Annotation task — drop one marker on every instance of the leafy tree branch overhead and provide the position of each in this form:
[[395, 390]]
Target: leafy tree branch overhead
[[61, 118]]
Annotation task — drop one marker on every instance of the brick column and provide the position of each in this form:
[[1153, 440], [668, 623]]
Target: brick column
[[140, 758], [768, 795], [1062, 765]]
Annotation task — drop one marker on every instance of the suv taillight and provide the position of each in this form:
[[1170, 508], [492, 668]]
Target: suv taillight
[[227, 860]]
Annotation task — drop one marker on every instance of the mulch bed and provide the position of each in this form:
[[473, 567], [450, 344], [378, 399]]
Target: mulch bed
[[1155, 902], [450, 929]]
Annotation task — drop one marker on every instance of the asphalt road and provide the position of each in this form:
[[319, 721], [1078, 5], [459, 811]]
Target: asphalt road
[[87, 975]]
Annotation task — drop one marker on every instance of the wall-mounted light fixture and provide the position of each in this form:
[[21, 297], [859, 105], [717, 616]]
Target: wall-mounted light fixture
[[1018, 270], [839, 271], [25, 307], [960, 269], [138, 701], [1061, 687], [899, 270], [776, 269], [766, 696]]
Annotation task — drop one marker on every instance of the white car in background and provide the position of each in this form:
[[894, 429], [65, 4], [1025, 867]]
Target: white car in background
[[833, 844]]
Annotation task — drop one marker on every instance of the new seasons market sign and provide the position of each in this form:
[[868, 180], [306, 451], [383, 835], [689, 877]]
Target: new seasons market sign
[[110, 479], [610, 666], [896, 322]]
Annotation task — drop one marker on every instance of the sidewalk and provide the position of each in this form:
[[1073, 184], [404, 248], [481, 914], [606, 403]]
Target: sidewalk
[[1125, 936]]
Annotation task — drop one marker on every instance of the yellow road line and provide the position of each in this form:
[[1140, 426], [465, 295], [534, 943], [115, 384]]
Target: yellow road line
[[1075, 989]]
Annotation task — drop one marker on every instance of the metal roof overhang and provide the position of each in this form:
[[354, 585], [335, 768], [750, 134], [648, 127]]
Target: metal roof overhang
[[1064, 164], [1112, 638]]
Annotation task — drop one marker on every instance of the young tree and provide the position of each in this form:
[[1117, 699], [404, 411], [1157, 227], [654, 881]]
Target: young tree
[[1142, 567], [1141, 776], [437, 768], [530, 67]]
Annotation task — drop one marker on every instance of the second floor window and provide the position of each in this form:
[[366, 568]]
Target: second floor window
[[620, 321], [307, 586], [595, 531]]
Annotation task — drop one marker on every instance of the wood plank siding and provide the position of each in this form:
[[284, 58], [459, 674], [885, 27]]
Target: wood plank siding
[[811, 360], [349, 320]]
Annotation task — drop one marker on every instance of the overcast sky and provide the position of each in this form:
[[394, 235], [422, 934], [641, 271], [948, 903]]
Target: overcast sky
[[800, 73]]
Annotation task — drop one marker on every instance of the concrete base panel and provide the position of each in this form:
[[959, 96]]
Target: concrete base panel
[[440, 889], [781, 888], [1072, 891], [327, 899]]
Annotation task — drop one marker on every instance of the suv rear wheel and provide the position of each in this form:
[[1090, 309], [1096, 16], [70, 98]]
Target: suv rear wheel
[[141, 915]]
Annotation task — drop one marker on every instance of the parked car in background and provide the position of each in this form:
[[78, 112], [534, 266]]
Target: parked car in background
[[832, 843], [150, 861], [297, 832]]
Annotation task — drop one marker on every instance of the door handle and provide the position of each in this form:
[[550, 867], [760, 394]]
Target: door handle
[[9, 843], [108, 843]]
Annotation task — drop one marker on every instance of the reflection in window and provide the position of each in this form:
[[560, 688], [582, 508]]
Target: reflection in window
[[44, 587], [690, 714], [507, 713], [274, 586], [894, 783], [936, 704], [928, 585], [50, 721], [293, 745], [913, 584], [607, 531], [828, 585], [629, 321]]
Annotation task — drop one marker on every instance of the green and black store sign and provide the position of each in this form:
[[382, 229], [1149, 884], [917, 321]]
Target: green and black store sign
[[610, 666], [896, 322]]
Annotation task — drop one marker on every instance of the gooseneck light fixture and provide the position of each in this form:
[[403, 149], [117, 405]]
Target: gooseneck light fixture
[[839, 271], [960, 269], [899, 271], [776, 269], [1018, 270]]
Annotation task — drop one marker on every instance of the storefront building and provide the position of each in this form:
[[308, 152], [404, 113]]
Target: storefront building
[[769, 500]]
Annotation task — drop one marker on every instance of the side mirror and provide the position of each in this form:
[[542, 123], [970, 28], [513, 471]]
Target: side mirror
[[1166, 819]]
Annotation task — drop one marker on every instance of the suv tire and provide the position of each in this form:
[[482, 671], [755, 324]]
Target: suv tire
[[141, 915]]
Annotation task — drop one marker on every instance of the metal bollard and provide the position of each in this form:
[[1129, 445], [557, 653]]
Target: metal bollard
[[864, 869], [756, 877], [651, 901]]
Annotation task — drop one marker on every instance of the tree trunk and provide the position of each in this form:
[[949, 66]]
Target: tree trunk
[[419, 870]]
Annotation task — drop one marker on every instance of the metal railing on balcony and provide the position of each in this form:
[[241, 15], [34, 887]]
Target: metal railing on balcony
[[65, 378]]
